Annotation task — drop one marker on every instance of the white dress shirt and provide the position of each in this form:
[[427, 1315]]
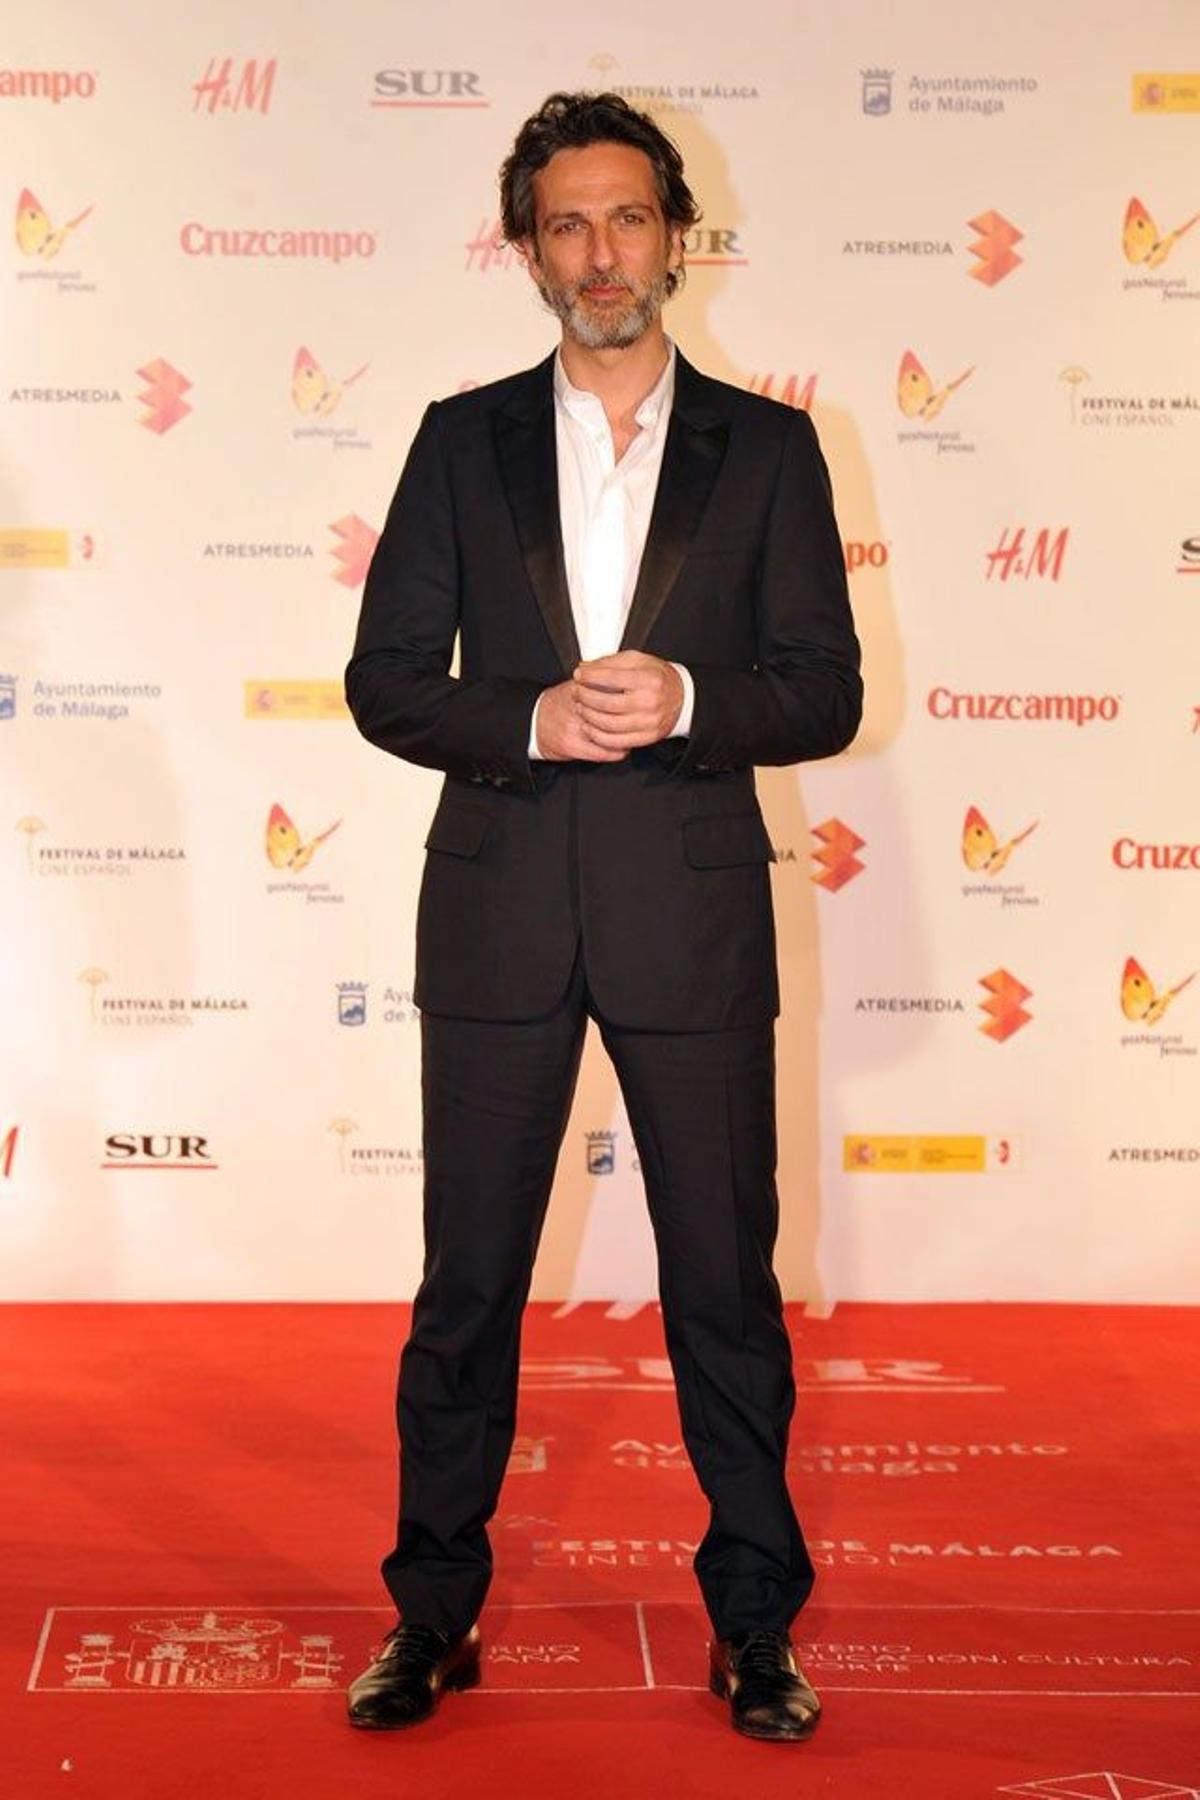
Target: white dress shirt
[[604, 510]]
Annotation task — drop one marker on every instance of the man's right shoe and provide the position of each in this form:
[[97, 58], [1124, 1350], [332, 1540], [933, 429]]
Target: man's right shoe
[[768, 1692], [403, 1684]]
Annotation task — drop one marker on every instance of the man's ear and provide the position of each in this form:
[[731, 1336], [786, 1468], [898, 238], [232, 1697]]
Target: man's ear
[[526, 249], [674, 247]]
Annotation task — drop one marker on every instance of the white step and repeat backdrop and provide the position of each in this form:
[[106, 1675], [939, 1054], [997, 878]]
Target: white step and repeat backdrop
[[249, 244]]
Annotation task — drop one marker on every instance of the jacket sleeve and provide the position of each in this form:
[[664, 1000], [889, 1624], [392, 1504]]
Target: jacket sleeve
[[804, 699], [398, 685]]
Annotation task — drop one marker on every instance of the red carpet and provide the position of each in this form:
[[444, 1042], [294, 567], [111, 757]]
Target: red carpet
[[1000, 1501]]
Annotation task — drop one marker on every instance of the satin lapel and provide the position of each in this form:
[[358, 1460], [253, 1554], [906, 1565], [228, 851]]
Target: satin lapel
[[692, 458], [526, 453]]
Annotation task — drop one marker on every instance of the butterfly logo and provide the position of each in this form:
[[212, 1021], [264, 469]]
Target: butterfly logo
[[285, 850], [917, 396], [982, 851], [1140, 1001], [313, 393], [1140, 239], [36, 236]]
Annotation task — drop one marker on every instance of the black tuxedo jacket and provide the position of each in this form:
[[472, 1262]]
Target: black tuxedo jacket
[[659, 862]]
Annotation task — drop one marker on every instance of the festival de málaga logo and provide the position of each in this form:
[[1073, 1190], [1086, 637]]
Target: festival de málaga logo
[[1147, 248], [921, 399]]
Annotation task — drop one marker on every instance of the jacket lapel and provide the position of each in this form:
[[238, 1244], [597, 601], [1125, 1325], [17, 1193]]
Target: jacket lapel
[[692, 456], [525, 450]]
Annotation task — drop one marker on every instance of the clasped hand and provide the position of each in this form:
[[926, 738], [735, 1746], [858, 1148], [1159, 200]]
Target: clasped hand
[[609, 707]]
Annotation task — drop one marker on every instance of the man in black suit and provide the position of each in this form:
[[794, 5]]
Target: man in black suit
[[644, 571]]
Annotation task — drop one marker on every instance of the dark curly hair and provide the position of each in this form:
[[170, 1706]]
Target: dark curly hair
[[571, 122]]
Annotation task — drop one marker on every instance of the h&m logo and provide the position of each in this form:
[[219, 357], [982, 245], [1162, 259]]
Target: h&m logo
[[156, 1150]]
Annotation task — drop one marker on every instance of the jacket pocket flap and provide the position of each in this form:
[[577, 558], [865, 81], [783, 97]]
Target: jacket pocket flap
[[726, 840], [459, 830]]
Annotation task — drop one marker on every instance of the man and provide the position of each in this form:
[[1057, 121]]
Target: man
[[648, 583]]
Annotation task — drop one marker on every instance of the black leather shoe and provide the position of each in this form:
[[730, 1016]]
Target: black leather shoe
[[768, 1695], [403, 1684]]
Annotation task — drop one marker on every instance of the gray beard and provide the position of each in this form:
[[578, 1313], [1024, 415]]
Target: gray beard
[[613, 330]]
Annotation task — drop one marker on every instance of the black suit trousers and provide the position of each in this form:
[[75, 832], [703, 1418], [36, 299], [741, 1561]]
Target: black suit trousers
[[496, 1100]]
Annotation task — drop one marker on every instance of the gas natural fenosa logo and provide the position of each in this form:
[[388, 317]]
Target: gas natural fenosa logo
[[917, 395], [1141, 239], [1141, 1001], [982, 851], [284, 845], [36, 235], [314, 393]]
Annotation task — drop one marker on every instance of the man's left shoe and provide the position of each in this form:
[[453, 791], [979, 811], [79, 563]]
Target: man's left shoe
[[768, 1695]]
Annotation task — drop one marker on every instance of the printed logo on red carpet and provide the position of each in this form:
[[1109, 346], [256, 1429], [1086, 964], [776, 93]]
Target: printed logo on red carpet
[[88, 1649], [843, 1375], [1102, 1784], [599, 1645]]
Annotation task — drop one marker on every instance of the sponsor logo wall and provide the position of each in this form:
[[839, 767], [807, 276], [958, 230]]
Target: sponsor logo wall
[[988, 920]]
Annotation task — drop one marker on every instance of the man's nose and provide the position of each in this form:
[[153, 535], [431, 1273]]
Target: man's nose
[[603, 250]]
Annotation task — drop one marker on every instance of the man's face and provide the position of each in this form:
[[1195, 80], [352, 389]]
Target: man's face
[[602, 250]]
